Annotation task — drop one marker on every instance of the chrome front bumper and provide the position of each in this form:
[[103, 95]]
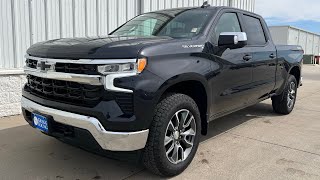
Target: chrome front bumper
[[113, 141]]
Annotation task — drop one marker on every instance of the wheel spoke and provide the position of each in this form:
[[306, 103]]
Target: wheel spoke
[[186, 142], [175, 154], [177, 120], [189, 132], [170, 149], [184, 116], [167, 140], [187, 124], [290, 102], [170, 127], [180, 152]]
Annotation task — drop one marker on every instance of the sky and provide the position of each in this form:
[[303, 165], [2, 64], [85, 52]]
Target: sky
[[304, 14]]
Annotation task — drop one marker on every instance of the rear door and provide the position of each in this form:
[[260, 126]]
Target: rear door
[[263, 56]]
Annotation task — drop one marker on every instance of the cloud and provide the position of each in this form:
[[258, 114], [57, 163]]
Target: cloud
[[289, 10]]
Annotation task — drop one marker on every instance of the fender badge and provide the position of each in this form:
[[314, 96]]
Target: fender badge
[[193, 46]]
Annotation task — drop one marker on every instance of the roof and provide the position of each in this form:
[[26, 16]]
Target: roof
[[175, 11]]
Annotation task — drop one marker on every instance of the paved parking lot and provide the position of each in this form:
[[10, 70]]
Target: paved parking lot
[[254, 143]]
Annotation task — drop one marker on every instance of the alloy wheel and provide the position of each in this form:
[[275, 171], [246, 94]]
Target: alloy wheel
[[180, 136], [291, 94]]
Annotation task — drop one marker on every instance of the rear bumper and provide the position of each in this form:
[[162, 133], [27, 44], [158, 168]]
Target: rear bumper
[[108, 140]]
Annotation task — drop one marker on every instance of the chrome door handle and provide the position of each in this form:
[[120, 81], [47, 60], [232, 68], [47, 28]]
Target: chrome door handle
[[272, 56], [247, 57]]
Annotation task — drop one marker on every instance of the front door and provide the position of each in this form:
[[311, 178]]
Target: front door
[[232, 82]]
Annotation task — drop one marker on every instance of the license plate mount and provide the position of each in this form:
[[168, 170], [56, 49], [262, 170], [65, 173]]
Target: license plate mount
[[40, 122]]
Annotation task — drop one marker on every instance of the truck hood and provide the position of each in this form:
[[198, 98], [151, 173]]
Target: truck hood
[[110, 47]]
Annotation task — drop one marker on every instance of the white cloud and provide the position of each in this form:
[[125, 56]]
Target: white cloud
[[289, 10]]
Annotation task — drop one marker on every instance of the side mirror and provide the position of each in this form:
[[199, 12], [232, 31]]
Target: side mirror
[[233, 39]]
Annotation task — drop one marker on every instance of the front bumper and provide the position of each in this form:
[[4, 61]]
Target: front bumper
[[108, 140]]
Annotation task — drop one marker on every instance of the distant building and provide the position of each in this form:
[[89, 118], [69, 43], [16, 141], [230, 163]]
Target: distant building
[[288, 35]]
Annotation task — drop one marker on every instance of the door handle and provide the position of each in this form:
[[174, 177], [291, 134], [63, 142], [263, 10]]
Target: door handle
[[272, 56], [247, 57]]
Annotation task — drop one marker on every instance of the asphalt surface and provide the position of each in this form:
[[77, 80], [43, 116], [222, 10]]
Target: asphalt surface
[[254, 143]]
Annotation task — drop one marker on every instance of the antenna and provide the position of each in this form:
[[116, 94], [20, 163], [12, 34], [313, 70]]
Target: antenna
[[205, 4]]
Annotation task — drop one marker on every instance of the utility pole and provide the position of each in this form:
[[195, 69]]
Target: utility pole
[[139, 7]]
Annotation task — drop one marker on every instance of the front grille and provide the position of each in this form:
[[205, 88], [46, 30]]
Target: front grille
[[89, 69], [76, 93], [64, 91], [31, 63]]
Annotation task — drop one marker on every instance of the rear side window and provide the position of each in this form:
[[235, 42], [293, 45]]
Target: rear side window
[[254, 31], [228, 22]]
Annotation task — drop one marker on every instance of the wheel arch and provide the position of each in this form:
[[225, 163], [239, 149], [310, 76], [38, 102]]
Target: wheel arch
[[296, 72], [193, 85]]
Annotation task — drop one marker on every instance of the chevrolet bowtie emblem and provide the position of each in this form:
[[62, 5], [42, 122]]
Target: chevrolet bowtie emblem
[[43, 66]]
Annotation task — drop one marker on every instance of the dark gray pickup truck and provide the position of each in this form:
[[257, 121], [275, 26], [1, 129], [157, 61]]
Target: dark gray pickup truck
[[151, 87]]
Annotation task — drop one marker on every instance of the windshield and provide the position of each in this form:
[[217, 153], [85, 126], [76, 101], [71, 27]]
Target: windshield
[[187, 24]]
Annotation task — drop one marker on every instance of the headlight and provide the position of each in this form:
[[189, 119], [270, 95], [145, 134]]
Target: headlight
[[130, 67], [117, 68]]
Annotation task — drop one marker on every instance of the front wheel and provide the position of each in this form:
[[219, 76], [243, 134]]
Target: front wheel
[[284, 103], [174, 135]]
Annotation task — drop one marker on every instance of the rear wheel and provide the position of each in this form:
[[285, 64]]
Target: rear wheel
[[284, 103], [174, 135]]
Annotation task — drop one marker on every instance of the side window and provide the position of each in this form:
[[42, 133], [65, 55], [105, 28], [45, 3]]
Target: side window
[[254, 30], [228, 22]]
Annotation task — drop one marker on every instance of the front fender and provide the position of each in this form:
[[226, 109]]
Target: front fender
[[161, 73]]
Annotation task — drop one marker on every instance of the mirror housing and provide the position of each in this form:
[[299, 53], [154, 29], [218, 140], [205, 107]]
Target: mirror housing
[[233, 40]]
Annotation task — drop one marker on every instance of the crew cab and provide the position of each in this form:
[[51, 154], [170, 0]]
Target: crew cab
[[151, 87]]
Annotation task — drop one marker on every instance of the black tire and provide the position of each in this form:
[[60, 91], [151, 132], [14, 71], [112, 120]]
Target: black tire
[[281, 102], [155, 157]]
